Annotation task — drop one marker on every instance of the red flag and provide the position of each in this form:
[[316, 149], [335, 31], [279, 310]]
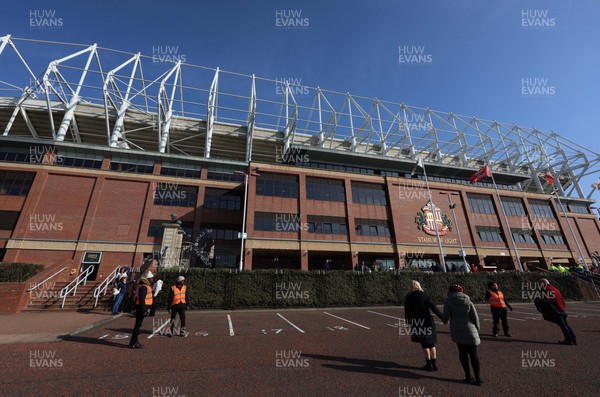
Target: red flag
[[481, 174], [549, 178]]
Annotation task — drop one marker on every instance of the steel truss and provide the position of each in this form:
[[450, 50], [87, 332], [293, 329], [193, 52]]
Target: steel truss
[[294, 113]]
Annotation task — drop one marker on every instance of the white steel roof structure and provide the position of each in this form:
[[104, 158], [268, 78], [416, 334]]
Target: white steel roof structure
[[97, 96]]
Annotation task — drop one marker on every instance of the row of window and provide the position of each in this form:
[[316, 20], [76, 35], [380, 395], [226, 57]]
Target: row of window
[[494, 234]]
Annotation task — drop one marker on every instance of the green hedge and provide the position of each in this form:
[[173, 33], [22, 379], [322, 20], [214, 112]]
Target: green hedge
[[18, 272], [222, 289]]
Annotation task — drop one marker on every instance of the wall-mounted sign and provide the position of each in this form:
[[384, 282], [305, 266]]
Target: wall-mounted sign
[[429, 216], [92, 257]]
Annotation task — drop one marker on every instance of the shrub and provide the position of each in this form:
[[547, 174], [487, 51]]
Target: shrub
[[18, 272]]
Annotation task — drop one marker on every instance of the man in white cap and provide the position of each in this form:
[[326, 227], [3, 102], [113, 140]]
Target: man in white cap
[[156, 288], [177, 302]]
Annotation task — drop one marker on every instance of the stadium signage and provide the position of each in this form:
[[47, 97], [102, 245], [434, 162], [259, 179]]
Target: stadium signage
[[428, 217]]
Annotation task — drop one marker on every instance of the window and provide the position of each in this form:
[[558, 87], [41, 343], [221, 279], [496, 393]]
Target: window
[[523, 236], [226, 261], [542, 209], [580, 208], [552, 237], [372, 227], [225, 232], [368, 193], [132, 164], [23, 155], [325, 189], [481, 203], [180, 170], [277, 222], [327, 225], [177, 196], [224, 173], [15, 183], [223, 199], [8, 220], [78, 159], [513, 206], [277, 185], [489, 234]]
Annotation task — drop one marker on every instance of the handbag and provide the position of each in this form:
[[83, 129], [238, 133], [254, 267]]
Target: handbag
[[116, 291]]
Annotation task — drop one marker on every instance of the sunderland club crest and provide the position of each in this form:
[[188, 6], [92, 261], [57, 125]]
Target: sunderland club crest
[[430, 214]]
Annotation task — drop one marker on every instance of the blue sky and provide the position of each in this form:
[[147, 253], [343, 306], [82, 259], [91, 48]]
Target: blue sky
[[480, 52]]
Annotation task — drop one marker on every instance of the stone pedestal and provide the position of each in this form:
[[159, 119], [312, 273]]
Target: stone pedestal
[[172, 241]]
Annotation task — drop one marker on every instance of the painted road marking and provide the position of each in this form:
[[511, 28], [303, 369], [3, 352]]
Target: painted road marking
[[290, 323], [120, 336], [337, 328], [201, 333], [103, 336], [348, 321], [277, 330], [158, 330], [385, 315], [231, 333]]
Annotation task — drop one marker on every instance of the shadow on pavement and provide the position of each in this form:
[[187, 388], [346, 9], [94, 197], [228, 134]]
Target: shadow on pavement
[[93, 341], [504, 339], [128, 330], [386, 368]]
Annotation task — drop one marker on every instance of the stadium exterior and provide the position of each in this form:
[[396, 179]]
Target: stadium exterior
[[99, 147]]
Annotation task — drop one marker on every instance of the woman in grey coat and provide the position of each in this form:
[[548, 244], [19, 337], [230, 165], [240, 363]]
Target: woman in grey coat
[[464, 327], [417, 314]]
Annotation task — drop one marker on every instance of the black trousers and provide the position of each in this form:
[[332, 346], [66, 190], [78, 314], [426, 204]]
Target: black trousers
[[499, 313], [468, 353], [178, 309], [566, 328], [139, 319]]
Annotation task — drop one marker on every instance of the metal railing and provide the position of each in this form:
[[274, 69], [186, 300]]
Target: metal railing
[[46, 279], [101, 289], [72, 286]]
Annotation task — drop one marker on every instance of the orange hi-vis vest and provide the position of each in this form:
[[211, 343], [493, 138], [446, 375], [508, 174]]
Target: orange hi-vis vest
[[178, 294], [497, 299], [148, 299]]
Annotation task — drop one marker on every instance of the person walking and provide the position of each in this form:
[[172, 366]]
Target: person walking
[[417, 313], [177, 302], [156, 289], [552, 306], [498, 306], [122, 287], [464, 330], [143, 302]]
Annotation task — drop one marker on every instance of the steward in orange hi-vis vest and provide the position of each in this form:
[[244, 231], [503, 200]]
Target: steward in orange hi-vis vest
[[496, 299], [148, 297], [143, 302], [498, 305], [178, 295]]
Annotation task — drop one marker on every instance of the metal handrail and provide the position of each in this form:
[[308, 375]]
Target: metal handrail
[[101, 289], [48, 278], [81, 278]]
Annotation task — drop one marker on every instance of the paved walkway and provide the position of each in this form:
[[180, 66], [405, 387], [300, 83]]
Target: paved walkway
[[36, 327]]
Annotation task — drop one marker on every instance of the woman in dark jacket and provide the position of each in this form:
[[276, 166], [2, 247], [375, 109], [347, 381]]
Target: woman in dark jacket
[[417, 315], [464, 329]]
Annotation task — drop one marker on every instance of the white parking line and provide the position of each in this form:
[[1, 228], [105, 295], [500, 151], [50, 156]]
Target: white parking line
[[348, 321], [385, 315], [231, 333], [158, 330], [103, 336], [289, 322]]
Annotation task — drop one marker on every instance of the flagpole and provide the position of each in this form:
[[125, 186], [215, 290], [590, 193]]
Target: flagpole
[[507, 224], [570, 228], [432, 207]]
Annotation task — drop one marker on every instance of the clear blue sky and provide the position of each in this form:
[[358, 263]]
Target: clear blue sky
[[479, 49]]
